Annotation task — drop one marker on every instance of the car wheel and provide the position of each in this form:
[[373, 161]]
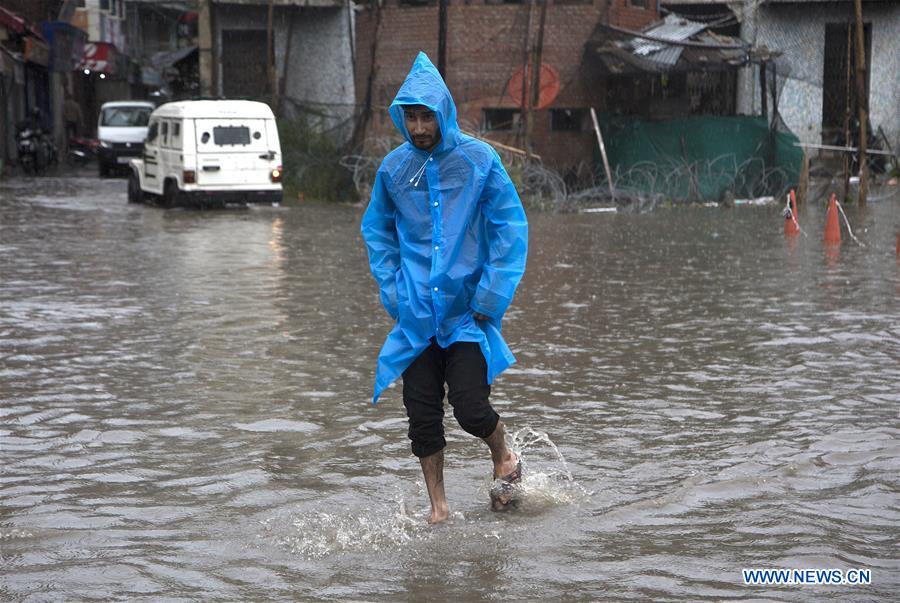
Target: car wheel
[[170, 194], [104, 170], [135, 194]]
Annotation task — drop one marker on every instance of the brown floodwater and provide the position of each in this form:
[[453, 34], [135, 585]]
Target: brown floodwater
[[184, 409]]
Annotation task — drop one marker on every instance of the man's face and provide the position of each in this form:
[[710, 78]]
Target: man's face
[[421, 123]]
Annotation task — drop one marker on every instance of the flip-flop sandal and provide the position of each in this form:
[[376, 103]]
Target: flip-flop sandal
[[505, 488]]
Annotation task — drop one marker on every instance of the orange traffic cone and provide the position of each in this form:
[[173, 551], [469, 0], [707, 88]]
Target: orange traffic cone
[[791, 225], [832, 225]]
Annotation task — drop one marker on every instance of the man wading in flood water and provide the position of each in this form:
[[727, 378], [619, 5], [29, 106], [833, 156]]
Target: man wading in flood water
[[447, 239]]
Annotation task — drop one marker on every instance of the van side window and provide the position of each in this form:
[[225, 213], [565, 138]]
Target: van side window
[[176, 135], [152, 131], [165, 133]]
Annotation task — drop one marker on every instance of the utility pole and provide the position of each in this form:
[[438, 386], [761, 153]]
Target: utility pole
[[205, 48], [847, 88], [270, 60], [442, 38], [763, 93], [362, 122], [863, 103], [535, 77], [526, 51]]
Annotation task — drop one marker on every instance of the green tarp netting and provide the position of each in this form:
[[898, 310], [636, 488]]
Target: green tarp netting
[[701, 158]]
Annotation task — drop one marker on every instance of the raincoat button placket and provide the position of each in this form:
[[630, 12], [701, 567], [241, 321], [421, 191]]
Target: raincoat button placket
[[436, 232]]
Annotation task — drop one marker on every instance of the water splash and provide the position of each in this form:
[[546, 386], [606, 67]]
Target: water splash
[[546, 478], [319, 534], [547, 482]]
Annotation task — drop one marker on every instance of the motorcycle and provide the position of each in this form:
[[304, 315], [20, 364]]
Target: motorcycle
[[35, 148], [82, 150]]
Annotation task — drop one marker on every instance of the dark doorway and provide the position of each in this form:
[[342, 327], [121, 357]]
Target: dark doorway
[[244, 59], [835, 90]]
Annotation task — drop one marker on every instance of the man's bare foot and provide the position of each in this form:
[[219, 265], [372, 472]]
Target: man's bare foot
[[507, 465], [439, 514], [506, 468], [433, 470], [505, 478]]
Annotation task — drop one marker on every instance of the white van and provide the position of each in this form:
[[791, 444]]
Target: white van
[[121, 129], [209, 152]]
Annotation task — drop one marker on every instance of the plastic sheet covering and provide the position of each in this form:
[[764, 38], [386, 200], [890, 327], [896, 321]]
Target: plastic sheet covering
[[701, 158]]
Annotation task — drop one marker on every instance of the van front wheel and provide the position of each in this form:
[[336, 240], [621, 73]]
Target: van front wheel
[[135, 194], [170, 194]]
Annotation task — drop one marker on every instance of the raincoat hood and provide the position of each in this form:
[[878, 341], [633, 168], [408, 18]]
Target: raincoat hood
[[425, 86]]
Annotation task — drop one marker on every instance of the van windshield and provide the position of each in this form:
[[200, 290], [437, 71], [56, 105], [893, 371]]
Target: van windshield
[[125, 117]]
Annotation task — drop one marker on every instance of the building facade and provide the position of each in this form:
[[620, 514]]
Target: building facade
[[811, 82], [297, 55], [810, 73], [30, 70], [162, 39], [487, 44]]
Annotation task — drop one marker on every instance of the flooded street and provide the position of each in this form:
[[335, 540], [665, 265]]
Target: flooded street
[[184, 409]]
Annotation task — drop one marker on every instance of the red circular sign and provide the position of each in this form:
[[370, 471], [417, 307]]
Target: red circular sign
[[549, 86]]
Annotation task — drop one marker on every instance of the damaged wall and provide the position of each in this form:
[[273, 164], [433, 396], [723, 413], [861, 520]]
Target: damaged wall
[[798, 31]]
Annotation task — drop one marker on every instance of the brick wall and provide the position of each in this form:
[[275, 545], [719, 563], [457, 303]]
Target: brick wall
[[485, 46], [623, 14]]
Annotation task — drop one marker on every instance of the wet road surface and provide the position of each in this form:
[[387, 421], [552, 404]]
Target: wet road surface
[[184, 409]]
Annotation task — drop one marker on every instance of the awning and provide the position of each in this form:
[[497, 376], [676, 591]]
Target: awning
[[12, 21], [16, 24], [99, 56], [168, 58]]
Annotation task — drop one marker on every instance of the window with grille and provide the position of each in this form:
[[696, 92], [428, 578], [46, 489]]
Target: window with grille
[[499, 120], [567, 120]]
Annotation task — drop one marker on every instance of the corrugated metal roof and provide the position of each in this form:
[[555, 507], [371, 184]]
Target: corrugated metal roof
[[672, 28], [613, 48]]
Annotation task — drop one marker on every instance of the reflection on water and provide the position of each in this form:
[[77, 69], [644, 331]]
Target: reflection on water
[[184, 409]]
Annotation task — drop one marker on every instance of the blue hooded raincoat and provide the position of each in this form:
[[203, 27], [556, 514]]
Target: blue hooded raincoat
[[446, 235]]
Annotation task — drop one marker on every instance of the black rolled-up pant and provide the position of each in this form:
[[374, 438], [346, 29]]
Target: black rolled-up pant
[[463, 368]]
